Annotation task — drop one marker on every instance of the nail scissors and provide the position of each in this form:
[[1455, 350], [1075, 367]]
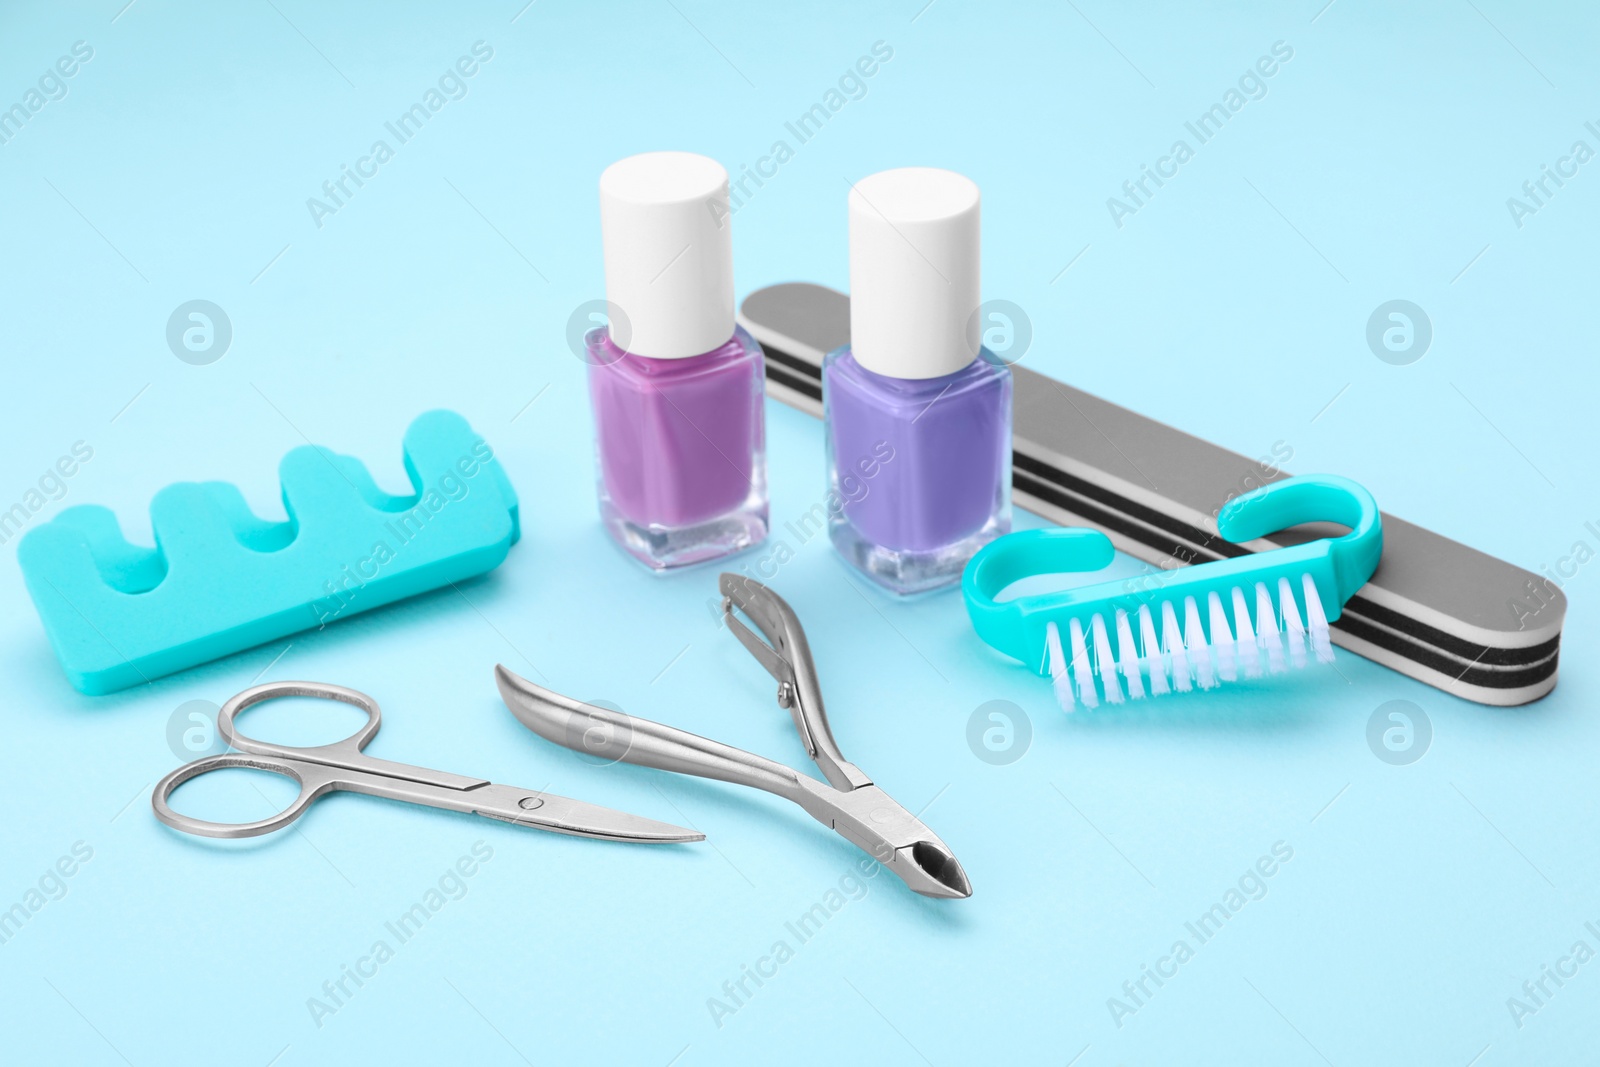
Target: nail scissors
[[847, 803], [343, 766]]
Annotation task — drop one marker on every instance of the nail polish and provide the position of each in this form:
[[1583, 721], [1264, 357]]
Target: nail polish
[[677, 388], [917, 412]]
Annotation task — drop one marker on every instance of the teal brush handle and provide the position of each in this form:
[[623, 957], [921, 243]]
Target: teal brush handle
[[1338, 565], [1313, 498], [1016, 627]]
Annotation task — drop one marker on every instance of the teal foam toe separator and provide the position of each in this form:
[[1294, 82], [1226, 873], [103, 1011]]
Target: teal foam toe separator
[[221, 579]]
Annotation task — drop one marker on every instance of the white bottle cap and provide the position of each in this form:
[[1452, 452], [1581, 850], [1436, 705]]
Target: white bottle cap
[[914, 272], [664, 225]]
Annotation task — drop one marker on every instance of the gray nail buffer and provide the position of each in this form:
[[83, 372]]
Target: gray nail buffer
[[1437, 610]]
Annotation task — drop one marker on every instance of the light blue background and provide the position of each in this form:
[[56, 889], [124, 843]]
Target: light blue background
[[1232, 305]]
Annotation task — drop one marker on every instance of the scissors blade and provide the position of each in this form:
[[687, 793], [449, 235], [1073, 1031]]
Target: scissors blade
[[563, 815]]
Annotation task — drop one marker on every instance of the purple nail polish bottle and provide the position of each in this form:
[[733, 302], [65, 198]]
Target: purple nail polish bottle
[[677, 388], [918, 414]]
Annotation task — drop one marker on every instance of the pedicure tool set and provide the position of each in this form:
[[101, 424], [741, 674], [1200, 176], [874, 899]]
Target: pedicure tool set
[[929, 437]]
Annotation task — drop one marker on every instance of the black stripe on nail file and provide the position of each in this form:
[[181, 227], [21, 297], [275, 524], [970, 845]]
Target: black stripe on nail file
[[807, 387], [804, 368]]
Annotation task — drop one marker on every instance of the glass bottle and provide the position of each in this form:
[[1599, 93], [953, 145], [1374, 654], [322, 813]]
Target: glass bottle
[[677, 388], [918, 414]]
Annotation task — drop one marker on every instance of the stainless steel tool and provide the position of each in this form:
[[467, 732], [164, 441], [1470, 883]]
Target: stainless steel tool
[[343, 766], [848, 802]]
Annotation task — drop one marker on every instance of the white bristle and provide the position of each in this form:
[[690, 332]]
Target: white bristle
[[1128, 657], [1245, 636], [1194, 640], [1172, 644], [1317, 622], [1105, 666], [1080, 668], [1183, 657], [1154, 661], [1056, 660], [1267, 629], [1294, 629], [1221, 638]]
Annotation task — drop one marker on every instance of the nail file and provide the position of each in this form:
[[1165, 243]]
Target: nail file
[[1458, 619], [220, 580]]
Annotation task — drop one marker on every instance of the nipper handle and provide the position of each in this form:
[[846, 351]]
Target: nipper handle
[[617, 737], [787, 657]]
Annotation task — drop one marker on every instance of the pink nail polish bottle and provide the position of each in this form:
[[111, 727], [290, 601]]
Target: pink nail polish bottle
[[677, 387]]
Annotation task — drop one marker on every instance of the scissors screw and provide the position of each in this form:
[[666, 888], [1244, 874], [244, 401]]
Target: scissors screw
[[785, 695], [530, 803]]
